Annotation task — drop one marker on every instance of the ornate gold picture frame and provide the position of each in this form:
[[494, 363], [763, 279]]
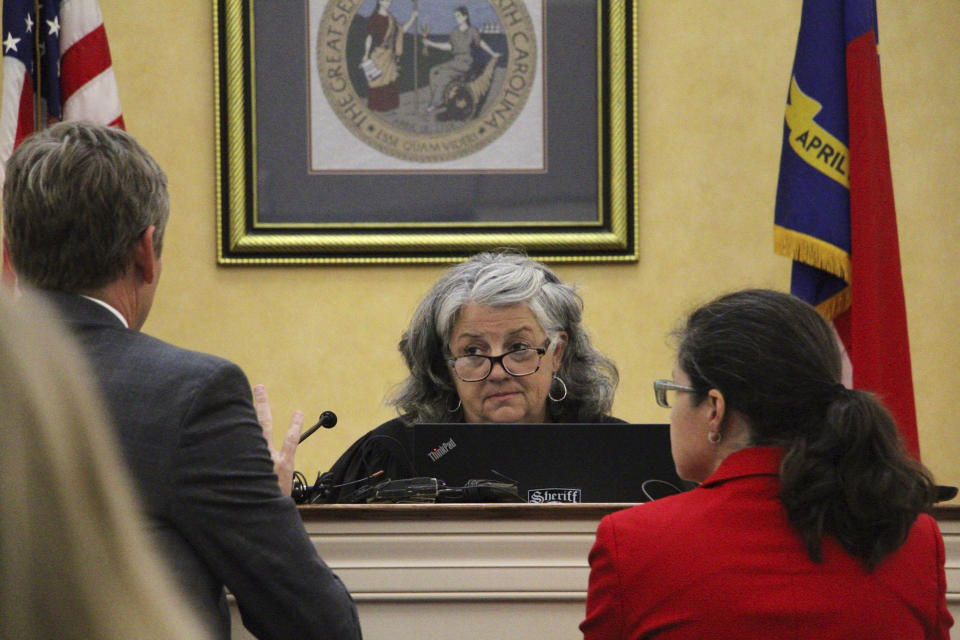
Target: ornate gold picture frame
[[401, 131]]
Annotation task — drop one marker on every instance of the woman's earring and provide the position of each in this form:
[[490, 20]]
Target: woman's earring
[[557, 379], [456, 408], [714, 437]]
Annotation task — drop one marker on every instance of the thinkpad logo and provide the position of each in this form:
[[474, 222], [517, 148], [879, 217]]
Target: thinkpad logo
[[553, 495], [441, 450]]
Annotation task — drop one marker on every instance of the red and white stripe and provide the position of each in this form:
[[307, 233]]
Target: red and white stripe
[[16, 119], [88, 84]]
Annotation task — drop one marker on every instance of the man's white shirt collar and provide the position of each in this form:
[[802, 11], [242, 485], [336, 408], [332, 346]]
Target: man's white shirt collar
[[108, 308]]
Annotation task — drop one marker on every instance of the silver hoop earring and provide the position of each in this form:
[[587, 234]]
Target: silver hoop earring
[[456, 408], [714, 437], [562, 384]]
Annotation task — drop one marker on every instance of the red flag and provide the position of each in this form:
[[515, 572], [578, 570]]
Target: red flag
[[875, 331]]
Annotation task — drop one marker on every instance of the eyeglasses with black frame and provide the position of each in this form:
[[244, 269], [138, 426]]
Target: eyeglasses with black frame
[[518, 363], [661, 387]]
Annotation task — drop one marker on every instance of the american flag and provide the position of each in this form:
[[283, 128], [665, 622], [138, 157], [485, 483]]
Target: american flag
[[75, 73]]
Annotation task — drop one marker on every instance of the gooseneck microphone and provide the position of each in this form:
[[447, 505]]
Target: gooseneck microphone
[[328, 419]]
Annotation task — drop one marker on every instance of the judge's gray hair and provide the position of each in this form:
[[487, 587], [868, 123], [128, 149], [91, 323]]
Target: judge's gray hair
[[500, 279]]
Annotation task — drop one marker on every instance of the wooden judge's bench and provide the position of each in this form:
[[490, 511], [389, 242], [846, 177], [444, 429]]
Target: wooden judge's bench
[[483, 572]]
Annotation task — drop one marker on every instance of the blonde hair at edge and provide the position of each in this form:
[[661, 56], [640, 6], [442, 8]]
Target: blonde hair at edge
[[74, 559]]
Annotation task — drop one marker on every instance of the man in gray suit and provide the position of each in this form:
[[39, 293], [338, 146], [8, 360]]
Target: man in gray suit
[[85, 208]]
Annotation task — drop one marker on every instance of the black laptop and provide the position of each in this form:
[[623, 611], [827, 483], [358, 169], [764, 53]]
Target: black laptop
[[559, 463]]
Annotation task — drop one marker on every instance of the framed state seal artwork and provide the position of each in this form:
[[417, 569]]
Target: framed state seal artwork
[[399, 131]]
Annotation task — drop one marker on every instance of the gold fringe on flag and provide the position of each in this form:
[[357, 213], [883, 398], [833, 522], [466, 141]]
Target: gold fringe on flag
[[835, 305], [812, 251]]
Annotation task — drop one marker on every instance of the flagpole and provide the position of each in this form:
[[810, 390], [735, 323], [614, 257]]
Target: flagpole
[[38, 69]]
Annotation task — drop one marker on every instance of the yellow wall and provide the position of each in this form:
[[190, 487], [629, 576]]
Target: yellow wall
[[713, 79]]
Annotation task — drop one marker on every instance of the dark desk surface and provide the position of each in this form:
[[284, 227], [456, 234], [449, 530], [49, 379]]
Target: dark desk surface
[[492, 511]]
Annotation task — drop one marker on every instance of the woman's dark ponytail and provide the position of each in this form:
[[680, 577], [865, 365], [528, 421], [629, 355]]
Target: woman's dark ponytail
[[853, 480]]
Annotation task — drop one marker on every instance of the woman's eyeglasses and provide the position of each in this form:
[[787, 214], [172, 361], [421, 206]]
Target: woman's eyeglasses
[[518, 363], [661, 387]]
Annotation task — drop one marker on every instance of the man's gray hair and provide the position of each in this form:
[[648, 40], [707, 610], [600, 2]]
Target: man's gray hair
[[501, 279], [77, 197]]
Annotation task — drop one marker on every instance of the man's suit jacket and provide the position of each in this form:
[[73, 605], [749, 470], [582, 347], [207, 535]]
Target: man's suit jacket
[[190, 435], [722, 561]]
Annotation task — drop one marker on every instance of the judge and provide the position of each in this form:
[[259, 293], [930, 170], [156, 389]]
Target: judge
[[499, 338]]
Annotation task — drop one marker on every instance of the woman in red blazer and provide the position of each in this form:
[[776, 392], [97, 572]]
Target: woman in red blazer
[[809, 520]]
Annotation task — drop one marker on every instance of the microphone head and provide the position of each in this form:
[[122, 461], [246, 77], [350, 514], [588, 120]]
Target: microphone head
[[328, 419]]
